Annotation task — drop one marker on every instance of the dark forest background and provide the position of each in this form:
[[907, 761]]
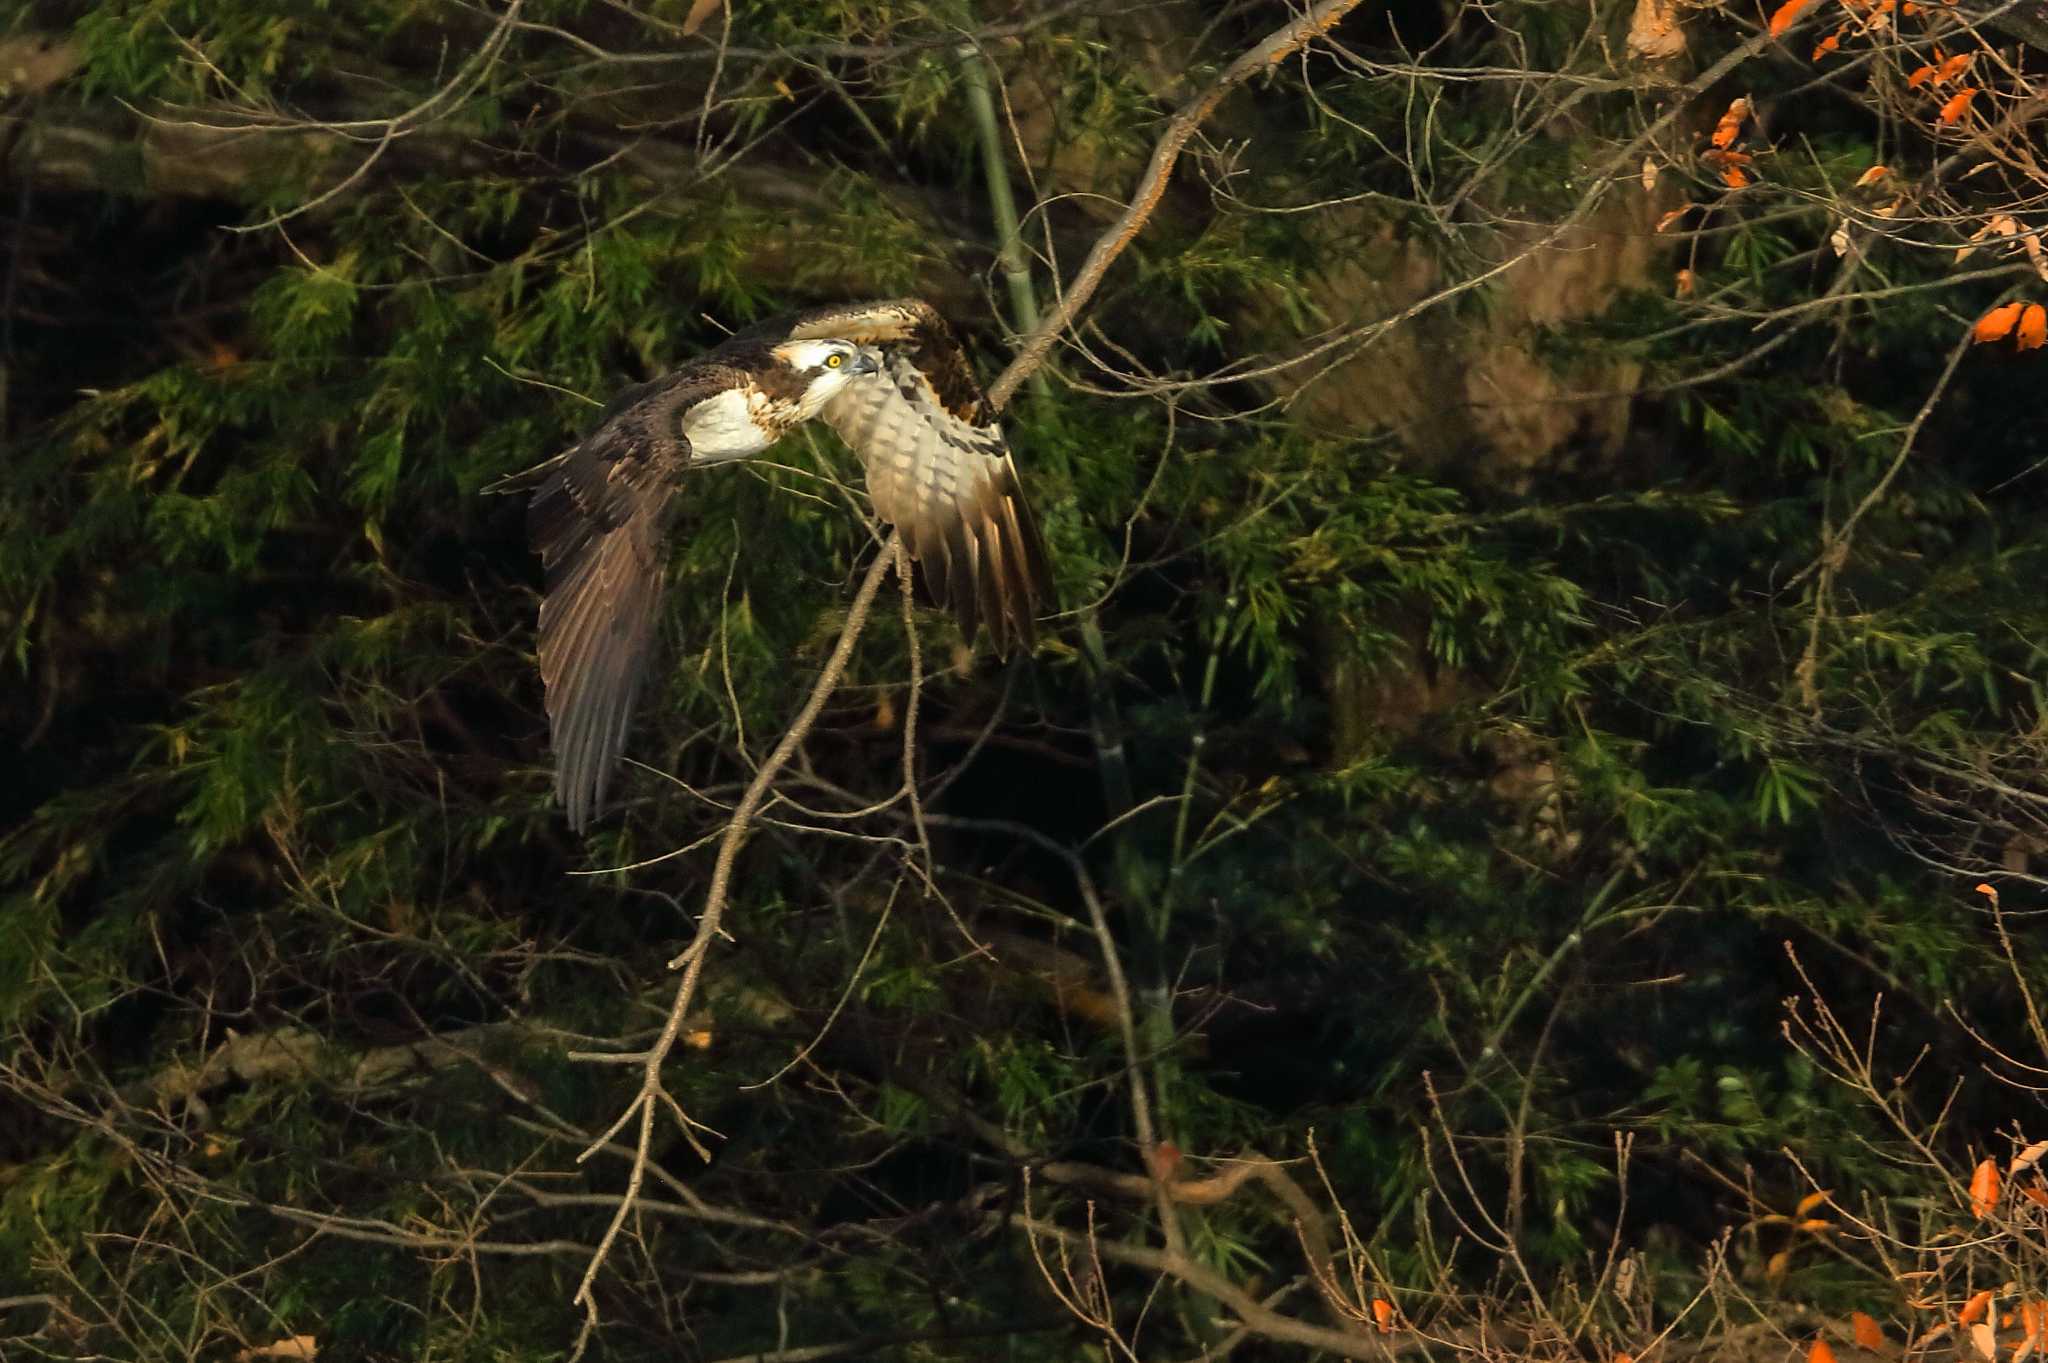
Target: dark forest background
[[1520, 840]]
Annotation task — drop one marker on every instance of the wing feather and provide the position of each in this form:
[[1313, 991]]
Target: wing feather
[[937, 466], [600, 520]]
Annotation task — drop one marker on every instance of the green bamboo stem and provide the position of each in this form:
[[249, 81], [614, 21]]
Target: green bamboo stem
[[1002, 202], [1144, 909]]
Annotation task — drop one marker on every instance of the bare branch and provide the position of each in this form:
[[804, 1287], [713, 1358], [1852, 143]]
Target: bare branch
[[1152, 186]]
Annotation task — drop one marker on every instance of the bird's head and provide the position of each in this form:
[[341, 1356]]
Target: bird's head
[[822, 368]]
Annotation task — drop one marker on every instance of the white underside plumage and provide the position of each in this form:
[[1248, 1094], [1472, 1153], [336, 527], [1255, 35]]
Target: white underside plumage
[[724, 427]]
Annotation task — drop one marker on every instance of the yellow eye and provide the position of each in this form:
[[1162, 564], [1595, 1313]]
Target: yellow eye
[[834, 361]]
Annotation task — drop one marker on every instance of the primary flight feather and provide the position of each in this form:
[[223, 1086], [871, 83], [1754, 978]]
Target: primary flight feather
[[890, 379]]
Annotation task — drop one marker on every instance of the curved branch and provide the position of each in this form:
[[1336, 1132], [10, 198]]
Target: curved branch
[[653, 1094], [1275, 48]]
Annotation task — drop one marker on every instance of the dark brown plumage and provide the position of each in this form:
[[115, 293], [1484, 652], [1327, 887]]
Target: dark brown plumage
[[890, 378]]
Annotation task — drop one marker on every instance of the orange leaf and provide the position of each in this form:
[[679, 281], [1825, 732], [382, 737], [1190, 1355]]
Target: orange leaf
[[1623, 1358], [1730, 125], [2031, 1317], [1868, 1336], [1982, 889], [1954, 66], [1735, 177], [1827, 44], [1872, 176], [1383, 1313], [2027, 1158], [1984, 1183], [1821, 1352], [1974, 1309], [1919, 77], [1786, 15], [1775, 1266], [2033, 334], [1995, 325], [1683, 286], [1957, 106], [2035, 1195], [1815, 1226], [1812, 1200], [1673, 216]]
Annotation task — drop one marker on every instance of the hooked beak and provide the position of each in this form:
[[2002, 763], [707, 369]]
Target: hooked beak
[[867, 361]]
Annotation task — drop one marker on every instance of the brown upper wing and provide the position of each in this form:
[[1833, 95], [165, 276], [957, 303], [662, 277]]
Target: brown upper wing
[[600, 520], [938, 468]]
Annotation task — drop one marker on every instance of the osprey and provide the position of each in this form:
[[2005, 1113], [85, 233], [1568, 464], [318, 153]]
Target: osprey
[[890, 379]]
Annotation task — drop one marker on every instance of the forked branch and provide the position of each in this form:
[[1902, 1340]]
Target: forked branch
[[1263, 56]]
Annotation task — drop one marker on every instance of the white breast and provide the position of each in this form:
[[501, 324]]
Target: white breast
[[724, 427]]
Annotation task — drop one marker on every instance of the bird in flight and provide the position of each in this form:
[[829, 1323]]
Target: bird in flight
[[890, 379]]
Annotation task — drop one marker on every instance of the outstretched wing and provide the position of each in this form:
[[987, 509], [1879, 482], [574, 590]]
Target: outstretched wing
[[600, 520], [938, 468]]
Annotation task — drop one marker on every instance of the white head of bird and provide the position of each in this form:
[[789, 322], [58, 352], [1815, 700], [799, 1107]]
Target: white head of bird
[[828, 366]]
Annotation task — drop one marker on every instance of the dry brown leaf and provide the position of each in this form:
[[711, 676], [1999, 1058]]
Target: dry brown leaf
[[1684, 285], [1985, 1341], [297, 1346], [1654, 34], [1866, 1331], [1649, 175], [699, 12], [1984, 1183]]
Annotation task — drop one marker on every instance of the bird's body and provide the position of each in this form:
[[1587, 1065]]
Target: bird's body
[[889, 378]]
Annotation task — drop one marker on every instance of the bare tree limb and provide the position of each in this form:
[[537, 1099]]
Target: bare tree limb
[[1275, 48], [653, 1092]]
